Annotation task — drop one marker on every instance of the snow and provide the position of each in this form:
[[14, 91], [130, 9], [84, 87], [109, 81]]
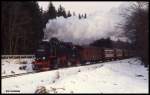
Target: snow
[[124, 76], [11, 66]]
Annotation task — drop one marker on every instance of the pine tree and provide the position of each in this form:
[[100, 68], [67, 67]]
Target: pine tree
[[69, 14], [79, 16], [64, 14], [61, 12], [22, 25], [85, 15], [51, 11]]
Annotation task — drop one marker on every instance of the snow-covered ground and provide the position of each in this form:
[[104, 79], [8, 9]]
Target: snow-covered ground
[[11, 66], [125, 76]]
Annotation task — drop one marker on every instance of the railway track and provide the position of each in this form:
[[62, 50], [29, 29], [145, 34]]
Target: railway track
[[21, 74], [15, 75]]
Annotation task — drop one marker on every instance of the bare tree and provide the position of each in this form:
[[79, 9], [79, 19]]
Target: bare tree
[[136, 28]]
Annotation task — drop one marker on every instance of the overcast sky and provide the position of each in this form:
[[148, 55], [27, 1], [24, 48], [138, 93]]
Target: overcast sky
[[82, 7]]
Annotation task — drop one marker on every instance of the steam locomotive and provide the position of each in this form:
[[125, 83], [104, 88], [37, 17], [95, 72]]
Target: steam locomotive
[[55, 54]]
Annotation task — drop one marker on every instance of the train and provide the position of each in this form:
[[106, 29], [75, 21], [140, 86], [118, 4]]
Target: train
[[54, 54]]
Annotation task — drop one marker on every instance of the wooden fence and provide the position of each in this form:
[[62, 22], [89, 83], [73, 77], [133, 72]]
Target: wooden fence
[[16, 56]]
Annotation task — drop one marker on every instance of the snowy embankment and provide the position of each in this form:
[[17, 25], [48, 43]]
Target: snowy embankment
[[125, 76], [11, 66]]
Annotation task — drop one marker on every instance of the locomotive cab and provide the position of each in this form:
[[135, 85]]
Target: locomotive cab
[[46, 55], [54, 53], [42, 54]]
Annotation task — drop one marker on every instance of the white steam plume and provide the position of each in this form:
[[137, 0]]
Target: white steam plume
[[83, 31]]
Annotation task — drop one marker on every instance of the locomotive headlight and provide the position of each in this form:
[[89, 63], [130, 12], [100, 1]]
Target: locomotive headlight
[[43, 58]]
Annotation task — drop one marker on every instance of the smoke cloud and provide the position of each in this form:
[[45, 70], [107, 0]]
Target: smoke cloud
[[84, 31]]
